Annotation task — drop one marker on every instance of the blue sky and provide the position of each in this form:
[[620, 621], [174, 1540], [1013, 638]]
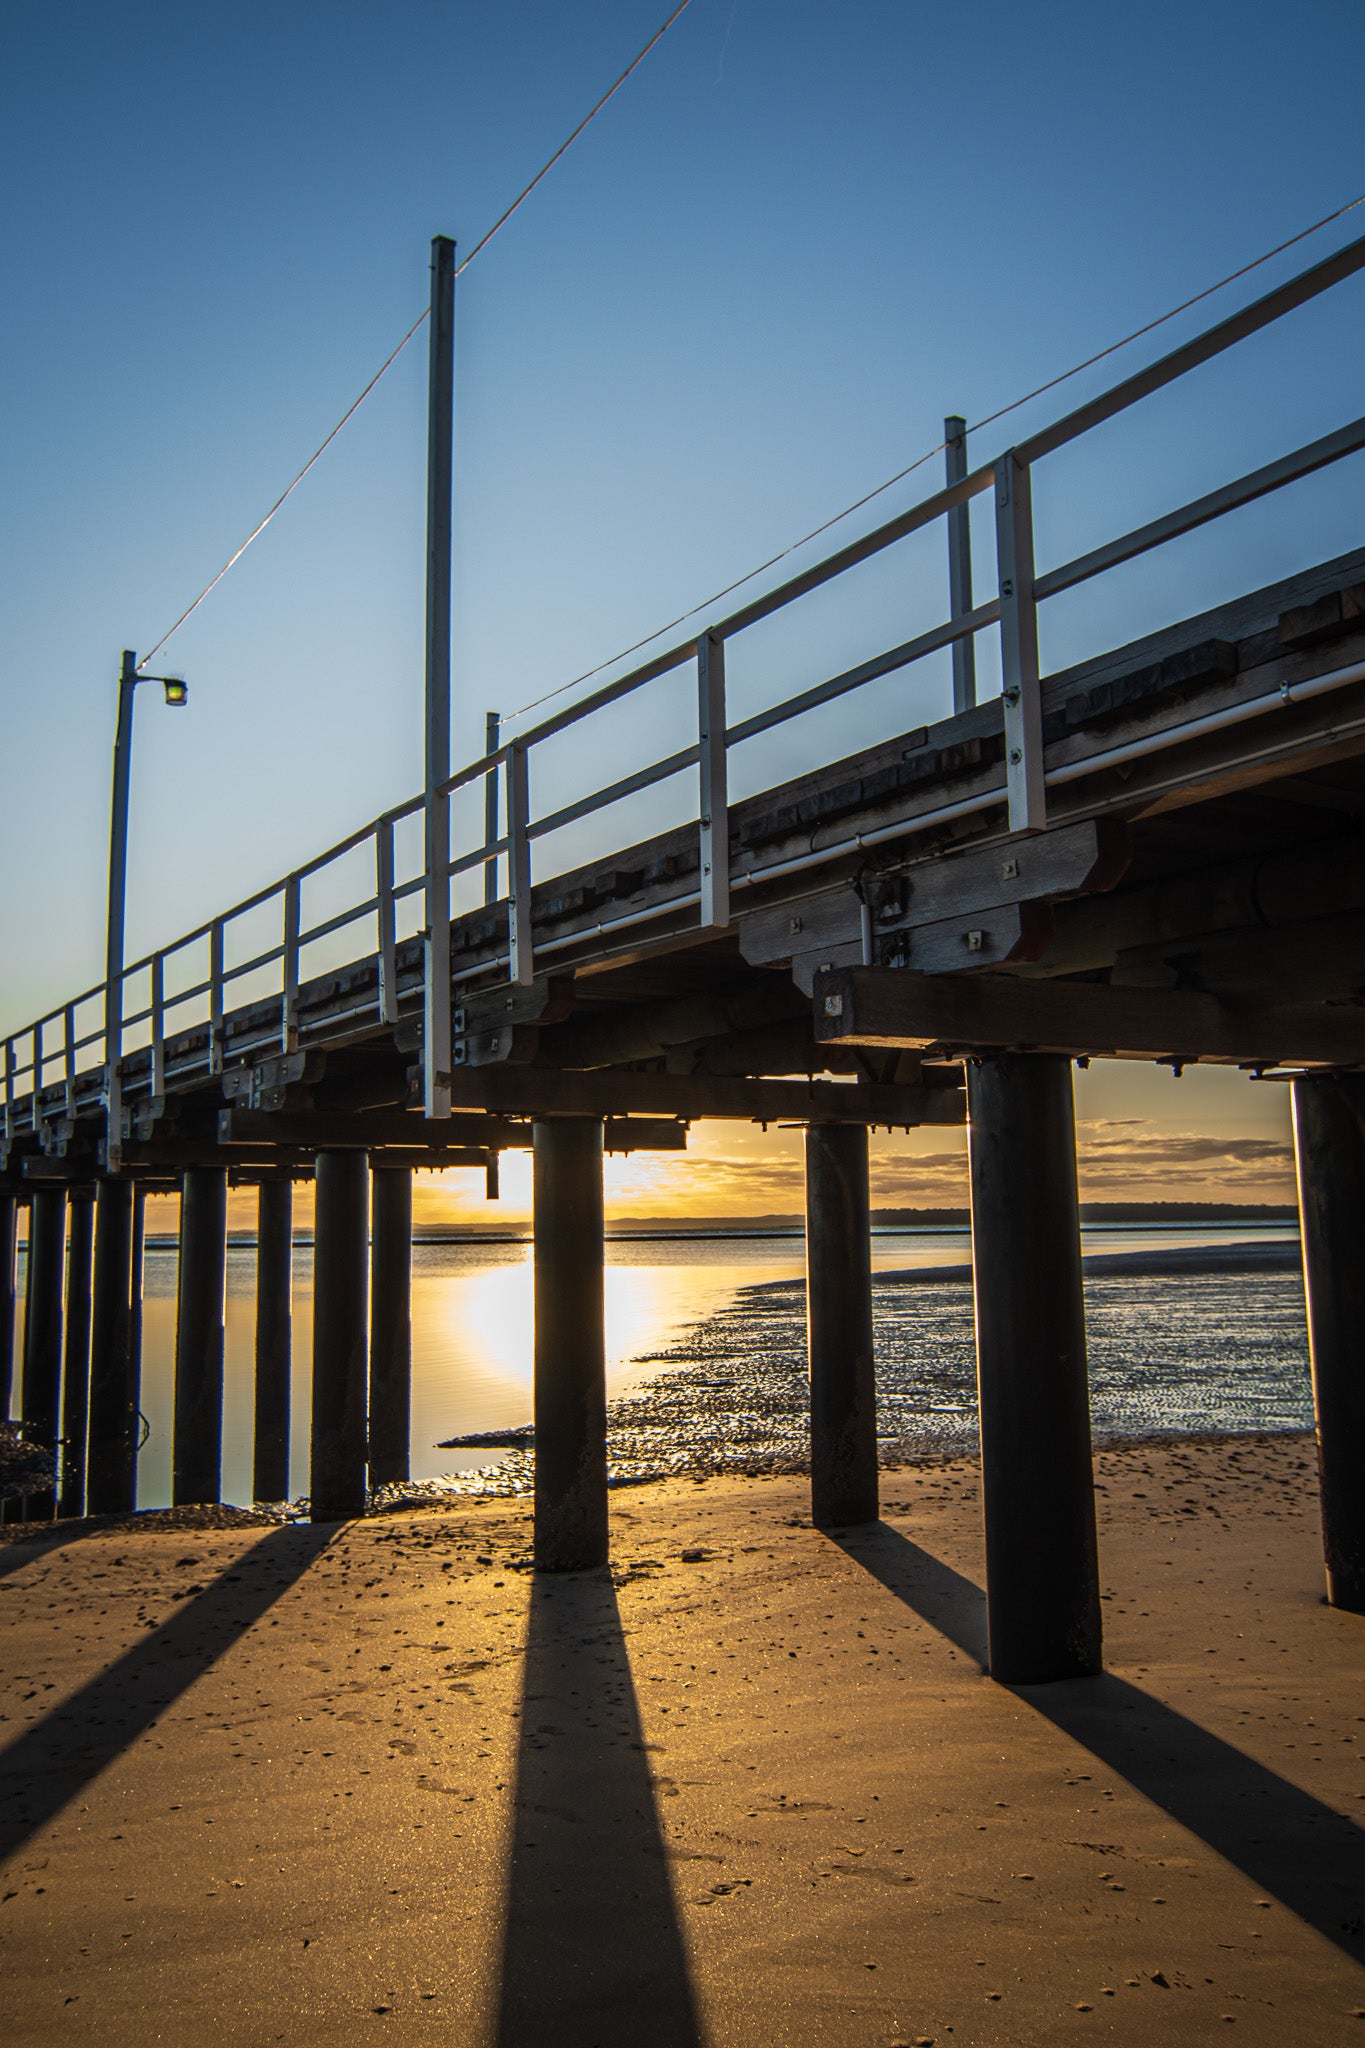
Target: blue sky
[[798, 236]]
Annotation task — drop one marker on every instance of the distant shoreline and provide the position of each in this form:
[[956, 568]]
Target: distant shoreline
[[1275, 1255], [713, 1229]]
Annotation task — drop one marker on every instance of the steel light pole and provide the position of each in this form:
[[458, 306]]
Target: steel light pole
[[177, 694]]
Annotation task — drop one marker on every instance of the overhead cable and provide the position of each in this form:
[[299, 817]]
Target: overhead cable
[[976, 426], [415, 328]]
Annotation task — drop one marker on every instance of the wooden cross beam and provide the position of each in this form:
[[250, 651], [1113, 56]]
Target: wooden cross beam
[[414, 1140], [878, 1006], [542, 1091]]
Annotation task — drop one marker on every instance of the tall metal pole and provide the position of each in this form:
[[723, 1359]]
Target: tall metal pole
[[959, 563], [118, 881], [436, 1041]]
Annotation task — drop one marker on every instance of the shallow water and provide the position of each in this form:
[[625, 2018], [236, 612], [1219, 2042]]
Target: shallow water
[[706, 1354]]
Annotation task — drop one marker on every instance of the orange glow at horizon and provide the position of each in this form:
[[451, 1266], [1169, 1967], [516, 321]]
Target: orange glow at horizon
[[1211, 1137]]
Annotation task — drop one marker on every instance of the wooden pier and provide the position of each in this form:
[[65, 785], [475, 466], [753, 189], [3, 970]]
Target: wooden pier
[[1154, 855]]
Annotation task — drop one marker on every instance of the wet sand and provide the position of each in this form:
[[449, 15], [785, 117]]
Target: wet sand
[[375, 1783]]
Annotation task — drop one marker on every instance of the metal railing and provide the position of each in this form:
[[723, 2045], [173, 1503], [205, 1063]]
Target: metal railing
[[32, 1060]]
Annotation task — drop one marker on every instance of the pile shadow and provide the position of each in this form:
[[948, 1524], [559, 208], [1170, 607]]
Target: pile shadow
[[49, 1765], [1294, 1847], [593, 1954]]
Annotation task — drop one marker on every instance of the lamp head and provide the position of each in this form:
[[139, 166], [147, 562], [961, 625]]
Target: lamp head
[[177, 690]]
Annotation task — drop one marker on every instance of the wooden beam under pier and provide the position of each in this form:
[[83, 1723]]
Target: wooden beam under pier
[[880, 1006]]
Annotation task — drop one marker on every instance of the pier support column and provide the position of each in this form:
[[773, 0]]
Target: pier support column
[[1329, 1145], [80, 1247], [42, 1381], [197, 1443], [139, 1261], [9, 1241], [843, 1392], [1037, 1479], [340, 1263], [274, 1339], [110, 1463], [570, 1346], [390, 1323]]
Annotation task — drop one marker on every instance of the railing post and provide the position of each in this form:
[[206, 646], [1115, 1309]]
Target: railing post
[[216, 996], [11, 1062], [959, 563], [69, 1056], [522, 966], [436, 1034], [714, 811], [158, 1007], [1020, 685], [386, 922], [492, 734], [289, 997]]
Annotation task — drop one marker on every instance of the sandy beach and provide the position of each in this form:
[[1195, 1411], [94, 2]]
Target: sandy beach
[[376, 1782]]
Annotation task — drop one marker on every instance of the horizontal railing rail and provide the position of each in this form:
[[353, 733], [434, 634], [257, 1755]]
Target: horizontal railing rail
[[34, 1062]]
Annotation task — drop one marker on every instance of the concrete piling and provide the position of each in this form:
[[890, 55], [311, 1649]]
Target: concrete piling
[[80, 1251], [9, 1243], [111, 1458], [197, 1445], [390, 1324], [843, 1393], [42, 1376], [1042, 1571], [1329, 1144], [274, 1339], [570, 1349], [340, 1262]]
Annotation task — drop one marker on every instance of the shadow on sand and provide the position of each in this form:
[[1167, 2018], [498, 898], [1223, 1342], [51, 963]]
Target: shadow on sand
[[1304, 1853], [18, 1550], [593, 1954], [43, 1769]]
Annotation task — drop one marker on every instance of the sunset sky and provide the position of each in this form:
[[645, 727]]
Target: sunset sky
[[798, 237], [1211, 1136]]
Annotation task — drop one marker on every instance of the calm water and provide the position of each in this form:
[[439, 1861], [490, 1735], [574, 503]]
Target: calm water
[[705, 1348]]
